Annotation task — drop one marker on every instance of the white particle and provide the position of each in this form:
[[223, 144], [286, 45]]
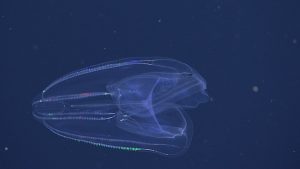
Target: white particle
[[35, 47], [5, 148], [294, 41], [159, 20], [255, 89]]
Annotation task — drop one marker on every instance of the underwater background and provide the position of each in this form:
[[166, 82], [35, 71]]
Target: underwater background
[[247, 51]]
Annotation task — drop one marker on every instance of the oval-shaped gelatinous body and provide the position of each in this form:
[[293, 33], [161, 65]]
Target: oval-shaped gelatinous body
[[135, 104]]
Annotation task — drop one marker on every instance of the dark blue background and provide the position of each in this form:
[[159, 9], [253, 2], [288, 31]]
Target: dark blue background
[[234, 44]]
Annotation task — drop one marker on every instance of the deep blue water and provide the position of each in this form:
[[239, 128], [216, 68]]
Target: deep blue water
[[248, 52]]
